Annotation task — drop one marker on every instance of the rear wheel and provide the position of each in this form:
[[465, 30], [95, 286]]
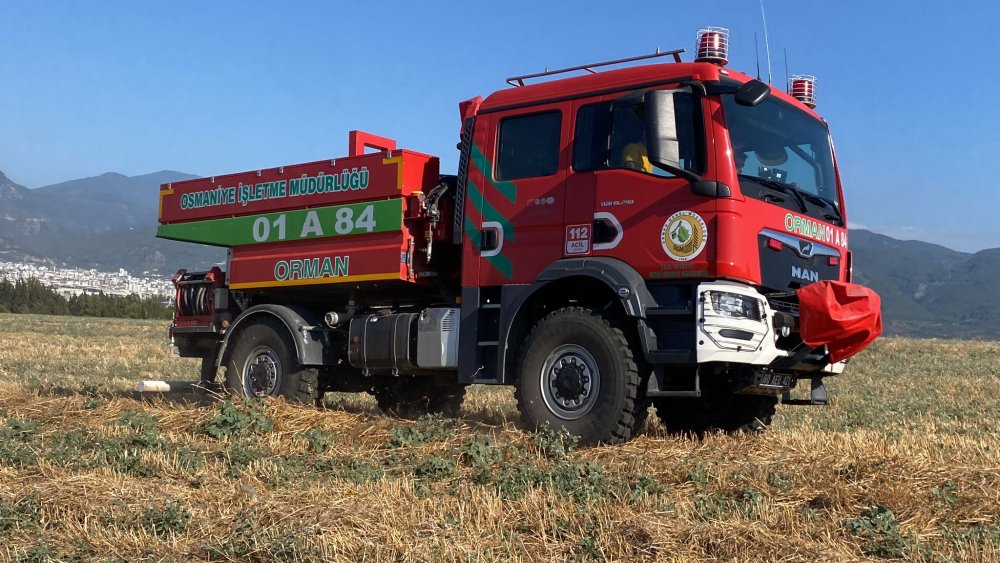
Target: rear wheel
[[263, 363], [577, 371], [411, 396]]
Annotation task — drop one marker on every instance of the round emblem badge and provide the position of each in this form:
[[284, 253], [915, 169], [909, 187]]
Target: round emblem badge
[[684, 235]]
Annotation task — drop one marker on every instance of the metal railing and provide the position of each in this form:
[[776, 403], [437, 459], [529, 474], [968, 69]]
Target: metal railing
[[519, 80]]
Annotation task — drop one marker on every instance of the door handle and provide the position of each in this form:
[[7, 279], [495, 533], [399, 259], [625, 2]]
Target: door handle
[[604, 231], [608, 231], [490, 239]]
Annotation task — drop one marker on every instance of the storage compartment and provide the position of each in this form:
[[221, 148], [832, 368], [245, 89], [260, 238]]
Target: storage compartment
[[338, 221], [437, 338]]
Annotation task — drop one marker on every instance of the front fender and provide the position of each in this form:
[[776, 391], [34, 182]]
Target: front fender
[[621, 280], [626, 283]]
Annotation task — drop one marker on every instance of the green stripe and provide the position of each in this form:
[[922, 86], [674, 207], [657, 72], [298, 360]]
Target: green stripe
[[507, 188], [300, 224], [489, 212], [500, 262], [474, 234]]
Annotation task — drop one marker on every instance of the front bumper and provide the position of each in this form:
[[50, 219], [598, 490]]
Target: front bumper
[[721, 338]]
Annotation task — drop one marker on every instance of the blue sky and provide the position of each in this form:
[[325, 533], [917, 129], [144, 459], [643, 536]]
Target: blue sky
[[909, 88]]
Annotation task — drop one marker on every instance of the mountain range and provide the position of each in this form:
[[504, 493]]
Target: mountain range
[[107, 222], [929, 290]]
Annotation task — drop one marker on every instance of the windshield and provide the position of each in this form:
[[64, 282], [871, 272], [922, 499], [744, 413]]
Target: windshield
[[774, 142]]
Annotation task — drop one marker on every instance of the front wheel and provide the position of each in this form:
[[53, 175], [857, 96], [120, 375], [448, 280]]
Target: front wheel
[[577, 371], [263, 364]]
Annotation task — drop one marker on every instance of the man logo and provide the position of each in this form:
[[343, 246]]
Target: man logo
[[805, 274], [805, 248]]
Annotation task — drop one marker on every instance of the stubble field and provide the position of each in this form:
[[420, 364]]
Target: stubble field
[[904, 465]]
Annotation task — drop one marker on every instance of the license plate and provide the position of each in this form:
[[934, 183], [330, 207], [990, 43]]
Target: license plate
[[773, 381]]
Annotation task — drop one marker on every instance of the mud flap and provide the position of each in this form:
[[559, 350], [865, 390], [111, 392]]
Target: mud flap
[[817, 396]]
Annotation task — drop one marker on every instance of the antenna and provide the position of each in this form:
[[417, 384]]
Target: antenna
[[767, 46], [756, 54], [786, 67]]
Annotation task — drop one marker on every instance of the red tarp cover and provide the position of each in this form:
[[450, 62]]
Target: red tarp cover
[[844, 316]]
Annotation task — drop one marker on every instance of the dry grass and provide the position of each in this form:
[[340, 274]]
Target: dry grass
[[905, 464]]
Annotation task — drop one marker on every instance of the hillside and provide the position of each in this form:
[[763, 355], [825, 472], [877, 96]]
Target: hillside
[[19, 216], [131, 190], [104, 222], [9, 191], [929, 290]]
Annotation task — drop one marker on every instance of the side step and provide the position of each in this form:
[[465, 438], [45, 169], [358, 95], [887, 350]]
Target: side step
[[673, 357], [655, 387], [667, 336], [682, 311]]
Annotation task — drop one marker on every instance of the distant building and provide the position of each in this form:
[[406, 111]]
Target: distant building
[[74, 281]]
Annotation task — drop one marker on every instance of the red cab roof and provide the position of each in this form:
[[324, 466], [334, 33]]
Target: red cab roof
[[617, 80]]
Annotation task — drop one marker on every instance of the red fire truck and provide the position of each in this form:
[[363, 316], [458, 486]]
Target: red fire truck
[[669, 234]]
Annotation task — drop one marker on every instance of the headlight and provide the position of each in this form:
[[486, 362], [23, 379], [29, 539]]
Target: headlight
[[735, 305]]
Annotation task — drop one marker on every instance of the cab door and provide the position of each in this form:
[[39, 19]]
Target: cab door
[[516, 190], [640, 214]]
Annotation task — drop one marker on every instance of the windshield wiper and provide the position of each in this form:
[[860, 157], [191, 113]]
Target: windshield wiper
[[778, 186], [801, 197], [836, 218]]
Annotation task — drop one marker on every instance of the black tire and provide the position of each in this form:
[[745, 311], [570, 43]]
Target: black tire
[[411, 397], [724, 411], [263, 364], [577, 371]]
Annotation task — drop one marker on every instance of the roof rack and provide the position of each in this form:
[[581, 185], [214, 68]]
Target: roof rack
[[518, 81]]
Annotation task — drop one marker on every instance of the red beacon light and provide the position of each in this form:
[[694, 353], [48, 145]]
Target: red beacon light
[[802, 87], [713, 45]]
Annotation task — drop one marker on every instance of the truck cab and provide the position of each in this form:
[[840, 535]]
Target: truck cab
[[669, 234], [690, 199]]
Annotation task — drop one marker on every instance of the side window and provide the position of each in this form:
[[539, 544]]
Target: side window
[[688, 114], [628, 139], [529, 146], [590, 142], [613, 135]]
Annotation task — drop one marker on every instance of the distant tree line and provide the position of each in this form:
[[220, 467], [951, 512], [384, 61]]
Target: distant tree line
[[32, 296]]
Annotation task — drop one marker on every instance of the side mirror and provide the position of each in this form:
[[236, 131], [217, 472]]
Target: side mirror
[[662, 144], [752, 93]]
